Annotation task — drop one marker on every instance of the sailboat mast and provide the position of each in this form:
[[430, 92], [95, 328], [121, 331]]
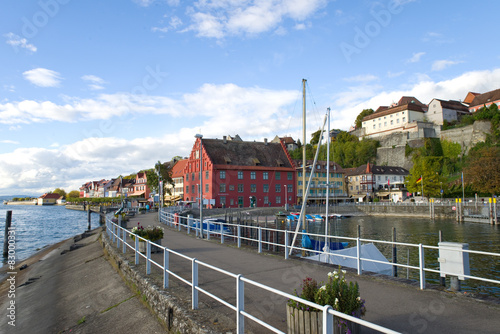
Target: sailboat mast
[[327, 176], [304, 149]]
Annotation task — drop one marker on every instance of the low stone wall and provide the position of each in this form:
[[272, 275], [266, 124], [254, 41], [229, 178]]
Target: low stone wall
[[421, 211], [175, 319]]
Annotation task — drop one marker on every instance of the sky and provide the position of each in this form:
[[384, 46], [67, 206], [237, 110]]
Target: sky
[[92, 90]]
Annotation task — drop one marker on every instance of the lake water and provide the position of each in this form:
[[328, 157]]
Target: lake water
[[479, 236], [39, 226]]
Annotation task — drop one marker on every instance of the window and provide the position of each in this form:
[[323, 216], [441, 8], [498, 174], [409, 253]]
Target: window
[[289, 176], [253, 188], [278, 199], [266, 188], [397, 121], [240, 175], [222, 187], [206, 175], [266, 199], [231, 201], [206, 187], [192, 176], [385, 123], [379, 125], [392, 122], [231, 187], [223, 201], [252, 175], [300, 183], [187, 189], [404, 119], [278, 188], [278, 175], [318, 167], [374, 126], [240, 201], [265, 176], [193, 189], [240, 188], [289, 188], [222, 174]]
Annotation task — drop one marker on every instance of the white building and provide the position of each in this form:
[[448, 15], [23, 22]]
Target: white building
[[450, 111]]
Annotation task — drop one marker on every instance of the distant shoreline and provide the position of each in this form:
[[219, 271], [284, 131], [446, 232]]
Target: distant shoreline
[[27, 203]]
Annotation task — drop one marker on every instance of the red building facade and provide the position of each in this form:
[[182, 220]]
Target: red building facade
[[240, 174]]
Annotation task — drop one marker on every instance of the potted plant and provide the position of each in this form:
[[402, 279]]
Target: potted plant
[[152, 233], [343, 296]]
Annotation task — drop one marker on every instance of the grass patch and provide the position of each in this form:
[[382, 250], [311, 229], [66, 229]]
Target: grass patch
[[81, 321]]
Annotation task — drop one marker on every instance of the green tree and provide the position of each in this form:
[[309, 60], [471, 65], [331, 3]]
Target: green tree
[[166, 176], [60, 192], [429, 169], [483, 170], [74, 194], [362, 115]]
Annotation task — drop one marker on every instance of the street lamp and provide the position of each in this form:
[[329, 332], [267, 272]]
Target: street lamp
[[286, 198], [201, 184]]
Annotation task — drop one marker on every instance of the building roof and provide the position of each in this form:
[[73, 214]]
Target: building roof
[[178, 169], [236, 153], [50, 196], [334, 167], [393, 110], [453, 105], [410, 99], [374, 169], [485, 98], [470, 97]]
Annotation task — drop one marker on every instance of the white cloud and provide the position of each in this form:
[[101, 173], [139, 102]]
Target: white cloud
[[440, 65], [394, 74], [7, 141], [361, 78], [43, 77], [95, 83], [217, 19], [18, 41], [416, 57]]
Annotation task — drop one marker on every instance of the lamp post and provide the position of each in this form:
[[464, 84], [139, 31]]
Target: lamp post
[[286, 198], [201, 184]]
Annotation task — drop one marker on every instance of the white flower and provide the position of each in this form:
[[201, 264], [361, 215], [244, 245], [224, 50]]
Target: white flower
[[323, 288], [330, 274], [358, 299], [336, 301], [335, 272], [344, 272]]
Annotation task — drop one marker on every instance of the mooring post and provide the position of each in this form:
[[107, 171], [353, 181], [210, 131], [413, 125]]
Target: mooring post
[[8, 221], [88, 215], [394, 253], [441, 279], [495, 218], [491, 211]]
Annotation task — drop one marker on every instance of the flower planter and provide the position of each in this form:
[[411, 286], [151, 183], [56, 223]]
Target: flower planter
[[154, 249], [311, 322]]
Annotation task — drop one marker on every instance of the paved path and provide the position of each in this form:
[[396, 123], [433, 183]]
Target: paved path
[[392, 304], [76, 291]]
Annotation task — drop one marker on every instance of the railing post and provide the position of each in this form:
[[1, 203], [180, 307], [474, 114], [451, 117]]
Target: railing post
[[358, 256], [136, 250], [421, 264], [239, 236], [194, 284], [113, 232], [240, 305], [190, 217], [208, 230], [286, 245], [179, 224], [221, 233], [260, 239], [165, 267], [327, 320], [117, 236], [124, 241], [148, 257]]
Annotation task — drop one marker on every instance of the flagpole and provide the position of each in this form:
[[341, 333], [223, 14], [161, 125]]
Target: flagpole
[[422, 180], [463, 189]]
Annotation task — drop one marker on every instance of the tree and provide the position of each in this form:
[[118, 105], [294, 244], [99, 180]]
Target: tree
[[429, 169], [166, 176], [362, 115], [483, 170], [74, 194], [60, 192]]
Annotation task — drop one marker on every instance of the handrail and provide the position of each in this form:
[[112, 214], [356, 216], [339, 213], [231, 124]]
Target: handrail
[[119, 234]]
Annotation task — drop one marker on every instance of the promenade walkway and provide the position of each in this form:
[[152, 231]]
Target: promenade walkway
[[391, 303], [77, 291]]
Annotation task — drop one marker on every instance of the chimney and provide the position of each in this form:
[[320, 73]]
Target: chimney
[[224, 139], [265, 141]]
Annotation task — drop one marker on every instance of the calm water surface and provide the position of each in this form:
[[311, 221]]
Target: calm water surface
[[39, 226]]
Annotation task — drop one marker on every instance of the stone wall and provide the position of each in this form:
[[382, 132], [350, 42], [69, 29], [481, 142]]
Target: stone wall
[[468, 136], [166, 307], [410, 210]]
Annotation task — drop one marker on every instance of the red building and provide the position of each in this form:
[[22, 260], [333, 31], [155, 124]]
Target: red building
[[240, 174]]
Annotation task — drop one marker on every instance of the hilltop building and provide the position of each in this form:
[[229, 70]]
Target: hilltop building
[[450, 111], [481, 100]]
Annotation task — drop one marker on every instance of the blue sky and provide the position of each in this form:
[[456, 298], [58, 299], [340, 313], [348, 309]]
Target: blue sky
[[95, 89]]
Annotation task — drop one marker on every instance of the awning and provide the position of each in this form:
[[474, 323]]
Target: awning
[[173, 198]]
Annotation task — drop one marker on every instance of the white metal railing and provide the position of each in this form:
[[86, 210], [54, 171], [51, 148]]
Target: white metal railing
[[119, 235], [183, 222]]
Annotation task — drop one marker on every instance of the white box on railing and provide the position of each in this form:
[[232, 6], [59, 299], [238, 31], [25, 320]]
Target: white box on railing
[[452, 259]]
